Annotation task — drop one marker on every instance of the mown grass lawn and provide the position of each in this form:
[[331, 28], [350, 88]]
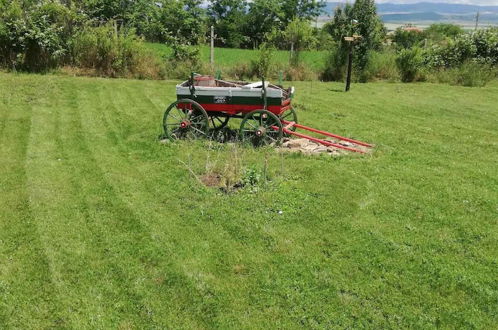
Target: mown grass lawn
[[229, 57], [102, 226]]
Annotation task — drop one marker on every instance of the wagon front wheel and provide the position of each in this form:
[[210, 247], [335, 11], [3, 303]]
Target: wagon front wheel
[[289, 115], [185, 119], [261, 127]]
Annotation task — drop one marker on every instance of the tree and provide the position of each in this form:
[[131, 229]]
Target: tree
[[183, 20], [302, 9], [441, 31], [299, 35], [407, 38], [228, 18], [340, 27], [262, 18], [368, 26]]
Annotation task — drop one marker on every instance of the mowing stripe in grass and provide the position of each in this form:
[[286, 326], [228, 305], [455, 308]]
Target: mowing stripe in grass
[[26, 280], [147, 253]]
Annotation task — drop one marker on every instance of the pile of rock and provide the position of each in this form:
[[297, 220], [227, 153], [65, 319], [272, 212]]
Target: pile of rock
[[308, 147]]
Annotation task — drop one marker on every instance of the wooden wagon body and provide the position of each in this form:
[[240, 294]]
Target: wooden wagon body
[[233, 97]]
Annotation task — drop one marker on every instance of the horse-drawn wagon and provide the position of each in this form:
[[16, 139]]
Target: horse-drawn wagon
[[205, 104]]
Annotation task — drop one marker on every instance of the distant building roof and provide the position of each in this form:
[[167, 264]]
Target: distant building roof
[[412, 28]]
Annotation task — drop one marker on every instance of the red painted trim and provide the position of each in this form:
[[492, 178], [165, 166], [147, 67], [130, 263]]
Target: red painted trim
[[233, 109]]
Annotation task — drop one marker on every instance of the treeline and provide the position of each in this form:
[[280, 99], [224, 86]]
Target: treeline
[[105, 37], [37, 35]]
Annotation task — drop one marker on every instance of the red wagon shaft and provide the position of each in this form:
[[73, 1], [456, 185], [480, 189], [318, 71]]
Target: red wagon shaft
[[289, 125], [205, 104]]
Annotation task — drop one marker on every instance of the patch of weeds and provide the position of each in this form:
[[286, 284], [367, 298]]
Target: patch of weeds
[[252, 178]]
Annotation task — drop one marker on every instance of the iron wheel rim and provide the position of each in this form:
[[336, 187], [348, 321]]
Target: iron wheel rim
[[187, 122], [261, 127]]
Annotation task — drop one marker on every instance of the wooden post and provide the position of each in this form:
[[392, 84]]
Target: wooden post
[[350, 65], [291, 53], [212, 45]]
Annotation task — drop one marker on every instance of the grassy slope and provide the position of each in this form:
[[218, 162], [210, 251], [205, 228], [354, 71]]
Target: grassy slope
[[227, 57], [101, 226]]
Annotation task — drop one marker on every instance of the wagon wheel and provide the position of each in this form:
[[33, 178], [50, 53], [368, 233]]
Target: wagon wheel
[[188, 121], [218, 122], [261, 127], [289, 115]]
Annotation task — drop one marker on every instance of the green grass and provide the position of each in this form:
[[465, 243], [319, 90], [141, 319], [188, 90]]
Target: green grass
[[228, 57], [103, 227]]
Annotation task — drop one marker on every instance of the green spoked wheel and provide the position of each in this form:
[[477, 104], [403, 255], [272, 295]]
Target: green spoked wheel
[[185, 119], [218, 122], [261, 127], [289, 115]]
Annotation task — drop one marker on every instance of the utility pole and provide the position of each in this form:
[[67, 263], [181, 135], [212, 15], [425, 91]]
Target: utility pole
[[477, 19], [212, 46]]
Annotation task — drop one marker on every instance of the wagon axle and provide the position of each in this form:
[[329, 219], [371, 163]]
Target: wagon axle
[[261, 131]]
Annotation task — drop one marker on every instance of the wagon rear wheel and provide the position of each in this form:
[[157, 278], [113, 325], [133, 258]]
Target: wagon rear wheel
[[261, 127], [185, 119], [289, 115]]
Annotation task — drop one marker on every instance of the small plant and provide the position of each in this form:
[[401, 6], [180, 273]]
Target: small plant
[[263, 65], [252, 176]]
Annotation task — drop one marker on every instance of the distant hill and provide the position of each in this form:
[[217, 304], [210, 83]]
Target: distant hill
[[429, 12]]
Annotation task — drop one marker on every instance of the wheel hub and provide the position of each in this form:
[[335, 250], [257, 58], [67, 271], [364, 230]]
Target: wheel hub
[[261, 131], [184, 124]]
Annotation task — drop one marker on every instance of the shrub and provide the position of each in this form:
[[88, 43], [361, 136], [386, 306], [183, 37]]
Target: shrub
[[470, 74], [241, 71], [381, 66], [114, 54], [409, 63], [480, 46], [263, 66], [34, 38], [407, 38], [183, 60], [441, 31], [300, 72], [335, 65]]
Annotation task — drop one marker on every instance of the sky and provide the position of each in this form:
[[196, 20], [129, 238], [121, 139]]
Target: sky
[[467, 2]]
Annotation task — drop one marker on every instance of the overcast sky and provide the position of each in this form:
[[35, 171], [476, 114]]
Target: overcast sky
[[469, 2]]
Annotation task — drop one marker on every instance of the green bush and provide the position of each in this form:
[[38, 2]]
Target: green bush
[[34, 37], [480, 46], [409, 63], [263, 65], [114, 53], [470, 74], [183, 60], [381, 66], [407, 38], [335, 65]]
